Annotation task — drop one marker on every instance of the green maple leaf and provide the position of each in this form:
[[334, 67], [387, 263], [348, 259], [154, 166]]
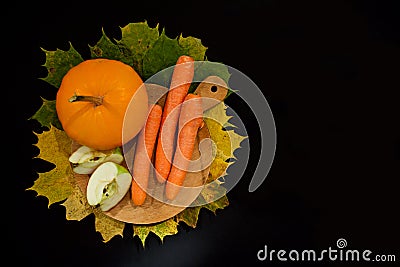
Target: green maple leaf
[[193, 47], [47, 115], [138, 38], [106, 48], [205, 69], [164, 53], [58, 63]]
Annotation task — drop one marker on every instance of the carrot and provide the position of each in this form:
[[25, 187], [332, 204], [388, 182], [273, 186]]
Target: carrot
[[143, 155], [190, 120], [182, 77]]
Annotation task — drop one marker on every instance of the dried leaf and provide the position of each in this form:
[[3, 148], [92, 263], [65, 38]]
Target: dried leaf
[[168, 227], [220, 203], [56, 184], [218, 168], [190, 216], [77, 206], [213, 191], [107, 226], [226, 141]]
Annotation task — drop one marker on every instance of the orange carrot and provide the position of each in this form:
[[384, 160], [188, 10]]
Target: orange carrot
[[190, 120], [143, 155], [180, 83]]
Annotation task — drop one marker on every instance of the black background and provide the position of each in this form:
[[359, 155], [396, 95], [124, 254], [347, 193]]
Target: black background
[[329, 70]]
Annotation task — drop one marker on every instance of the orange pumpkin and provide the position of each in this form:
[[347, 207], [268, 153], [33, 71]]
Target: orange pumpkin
[[93, 98]]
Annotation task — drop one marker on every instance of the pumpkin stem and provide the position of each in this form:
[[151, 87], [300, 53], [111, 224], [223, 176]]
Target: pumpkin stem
[[96, 100]]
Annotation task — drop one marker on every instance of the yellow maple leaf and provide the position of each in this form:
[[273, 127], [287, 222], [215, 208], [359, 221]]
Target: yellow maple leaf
[[78, 208], [216, 191], [162, 229], [107, 226], [226, 141], [56, 184], [190, 216], [76, 205]]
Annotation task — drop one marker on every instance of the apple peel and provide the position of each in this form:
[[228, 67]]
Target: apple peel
[[108, 185], [85, 159]]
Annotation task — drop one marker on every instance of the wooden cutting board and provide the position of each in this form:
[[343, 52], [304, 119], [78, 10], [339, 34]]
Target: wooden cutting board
[[156, 209]]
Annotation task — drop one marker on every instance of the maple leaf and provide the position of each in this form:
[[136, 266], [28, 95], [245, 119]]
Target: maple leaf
[[58, 63], [148, 51], [220, 203], [193, 47], [56, 184], [76, 205], [106, 48], [212, 192], [164, 53], [162, 229], [138, 38], [77, 208], [226, 141], [190, 215], [47, 115], [107, 226]]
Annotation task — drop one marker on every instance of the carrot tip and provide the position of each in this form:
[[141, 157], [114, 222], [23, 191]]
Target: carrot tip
[[185, 58]]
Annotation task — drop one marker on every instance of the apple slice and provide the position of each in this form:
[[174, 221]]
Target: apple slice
[[108, 185], [85, 159]]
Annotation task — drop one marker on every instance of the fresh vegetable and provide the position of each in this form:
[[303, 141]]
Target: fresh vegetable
[[143, 155], [85, 159], [182, 77], [190, 120], [107, 185], [92, 100]]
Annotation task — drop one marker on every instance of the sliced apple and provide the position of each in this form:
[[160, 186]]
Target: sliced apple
[[85, 159], [108, 185]]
